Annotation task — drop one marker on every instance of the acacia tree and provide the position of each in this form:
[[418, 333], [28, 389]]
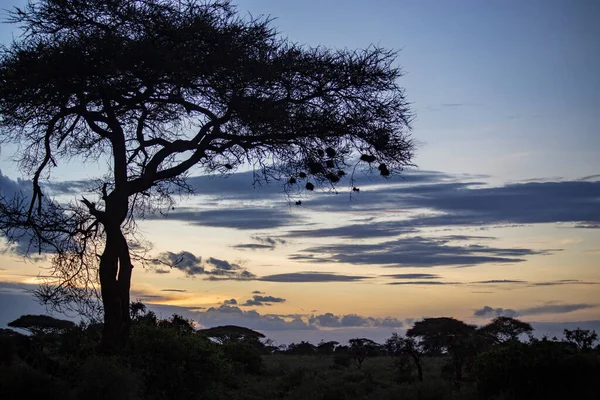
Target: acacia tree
[[447, 334], [157, 89], [397, 345], [504, 329]]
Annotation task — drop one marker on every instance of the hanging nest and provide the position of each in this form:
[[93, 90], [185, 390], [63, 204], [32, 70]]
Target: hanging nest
[[368, 158], [333, 178], [310, 186], [315, 167]]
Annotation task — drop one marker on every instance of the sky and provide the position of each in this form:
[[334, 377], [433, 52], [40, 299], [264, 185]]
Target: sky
[[500, 217]]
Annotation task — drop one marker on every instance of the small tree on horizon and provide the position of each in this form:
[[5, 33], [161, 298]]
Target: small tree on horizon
[[156, 90]]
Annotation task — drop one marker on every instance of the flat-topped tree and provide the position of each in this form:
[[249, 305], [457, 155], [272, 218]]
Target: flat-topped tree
[[156, 88], [38, 324], [232, 334]]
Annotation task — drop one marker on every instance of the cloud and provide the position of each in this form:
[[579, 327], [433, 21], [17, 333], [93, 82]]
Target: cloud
[[236, 218], [266, 243], [230, 302], [258, 300], [548, 308], [495, 281], [356, 231], [174, 290], [269, 299], [412, 276], [414, 252], [555, 309], [329, 320], [231, 315], [258, 292], [453, 200], [192, 265], [311, 276], [564, 282], [184, 261], [432, 283], [490, 312]]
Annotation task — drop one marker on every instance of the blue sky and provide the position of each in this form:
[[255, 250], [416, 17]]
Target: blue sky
[[506, 96]]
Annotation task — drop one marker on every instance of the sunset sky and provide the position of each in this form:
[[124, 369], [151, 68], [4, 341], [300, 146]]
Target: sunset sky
[[500, 217]]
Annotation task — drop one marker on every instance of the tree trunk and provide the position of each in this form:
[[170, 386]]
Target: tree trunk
[[115, 281], [417, 361]]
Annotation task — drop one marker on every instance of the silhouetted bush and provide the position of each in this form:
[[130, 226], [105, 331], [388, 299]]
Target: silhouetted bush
[[342, 360], [175, 365], [107, 378], [543, 369], [246, 357], [24, 382]]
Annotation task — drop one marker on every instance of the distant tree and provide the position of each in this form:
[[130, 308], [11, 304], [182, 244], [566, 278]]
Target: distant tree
[[503, 329], [583, 339], [326, 348], [445, 334], [232, 334], [156, 89], [137, 309], [301, 349], [361, 349], [41, 324], [397, 345], [178, 323]]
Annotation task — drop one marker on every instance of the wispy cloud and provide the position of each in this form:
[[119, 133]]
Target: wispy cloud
[[548, 308], [415, 252], [311, 276]]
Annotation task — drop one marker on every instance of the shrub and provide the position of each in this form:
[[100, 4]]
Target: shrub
[[342, 360], [107, 378], [173, 364], [23, 382], [246, 357], [544, 369]]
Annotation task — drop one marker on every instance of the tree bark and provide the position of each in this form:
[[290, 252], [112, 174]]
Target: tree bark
[[417, 361], [115, 281]]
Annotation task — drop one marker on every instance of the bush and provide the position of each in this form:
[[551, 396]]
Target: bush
[[174, 364], [23, 382], [107, 378], [246, 357], [8, 349], [342, 360], [545, 369], [404, 370]]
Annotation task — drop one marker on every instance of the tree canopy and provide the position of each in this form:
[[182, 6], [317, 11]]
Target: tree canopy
[[232, 334], [41, 323], [159, 89], [503, 329]]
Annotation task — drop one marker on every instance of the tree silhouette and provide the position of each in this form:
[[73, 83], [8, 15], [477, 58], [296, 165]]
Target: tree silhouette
[[503, 329], [41, 324], [232, 334], [361, 349], [157, 89], [396, 345], [583, 339], [455, 337]]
